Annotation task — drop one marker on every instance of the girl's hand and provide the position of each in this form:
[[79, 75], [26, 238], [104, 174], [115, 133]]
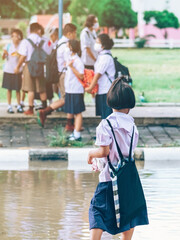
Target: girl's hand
[[90, 158], [88, 89], [16, 70]]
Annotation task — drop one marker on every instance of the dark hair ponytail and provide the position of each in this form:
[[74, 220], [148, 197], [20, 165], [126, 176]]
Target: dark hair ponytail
[[106, 41]]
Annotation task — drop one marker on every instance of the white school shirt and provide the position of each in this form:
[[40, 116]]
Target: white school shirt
[[71, 83], [11, 61], [88, 39], [104, 63], [123, 127], [61, 53], [26, 48]]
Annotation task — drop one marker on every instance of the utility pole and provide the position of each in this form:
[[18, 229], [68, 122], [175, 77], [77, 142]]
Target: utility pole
[[60, 13]]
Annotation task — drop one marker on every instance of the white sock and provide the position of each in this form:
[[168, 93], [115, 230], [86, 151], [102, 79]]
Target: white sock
[[18, 106], [9, 106], [77, 134]]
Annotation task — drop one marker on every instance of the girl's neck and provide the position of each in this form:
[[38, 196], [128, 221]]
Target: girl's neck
[[125, 110], [16, 44], [73, 54]]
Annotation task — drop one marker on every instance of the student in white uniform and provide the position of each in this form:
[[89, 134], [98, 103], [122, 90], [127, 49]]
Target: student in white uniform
[[69, 32], [31, 85], [12, 81], [88, 38], [74, 98], [104, 74]]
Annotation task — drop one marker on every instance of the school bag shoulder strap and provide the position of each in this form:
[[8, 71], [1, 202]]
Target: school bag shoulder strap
[[58, 45], [31, 42], [117, 145]]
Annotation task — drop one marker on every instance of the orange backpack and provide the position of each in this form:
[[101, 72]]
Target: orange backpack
[[88, 77]]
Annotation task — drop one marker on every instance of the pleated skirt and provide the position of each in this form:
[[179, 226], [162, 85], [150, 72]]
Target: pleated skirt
[[102, 212], [74, 103], [12, 81]]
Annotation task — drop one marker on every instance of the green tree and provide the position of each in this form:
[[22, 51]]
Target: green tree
[[25, 9], [163, 19], [114, 13]]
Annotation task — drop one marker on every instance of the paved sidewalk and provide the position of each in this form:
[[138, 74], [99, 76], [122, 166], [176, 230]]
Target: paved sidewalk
[[158, 125], [33, 136]]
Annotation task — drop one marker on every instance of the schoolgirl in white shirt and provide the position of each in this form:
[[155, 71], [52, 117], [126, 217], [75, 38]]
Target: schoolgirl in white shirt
[[104, 69], [88, 37], [74, 97], [12, 81]]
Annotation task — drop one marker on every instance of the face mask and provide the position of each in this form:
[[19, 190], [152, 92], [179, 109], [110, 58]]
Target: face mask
[[96, 25], [98, 47]]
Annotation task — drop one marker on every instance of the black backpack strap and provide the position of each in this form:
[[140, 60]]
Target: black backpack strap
[[118, 148], [58, 45], [130, 150], [106, 72], [31, 42]]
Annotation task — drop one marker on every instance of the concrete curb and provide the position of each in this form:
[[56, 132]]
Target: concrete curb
[[140, 154]]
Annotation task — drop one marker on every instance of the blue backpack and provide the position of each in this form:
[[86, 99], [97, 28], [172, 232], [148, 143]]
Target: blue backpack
[[37, 62]]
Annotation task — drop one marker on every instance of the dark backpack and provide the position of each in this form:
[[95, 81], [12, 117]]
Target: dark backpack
[[52, 74], [120, 70], [38, 59]]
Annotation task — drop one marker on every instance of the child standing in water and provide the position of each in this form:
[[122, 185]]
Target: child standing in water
[[12, 81], [74, 97], [102, 214]]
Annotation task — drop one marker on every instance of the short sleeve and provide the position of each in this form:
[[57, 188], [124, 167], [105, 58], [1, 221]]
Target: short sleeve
[[85, 40], [102, 64], [23, 48], [103, 137], [79, 66]]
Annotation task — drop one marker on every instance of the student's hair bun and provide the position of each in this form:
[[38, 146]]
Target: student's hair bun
[[106, 41]]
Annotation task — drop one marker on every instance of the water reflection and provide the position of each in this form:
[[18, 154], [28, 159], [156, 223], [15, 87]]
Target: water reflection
[[53, 204]]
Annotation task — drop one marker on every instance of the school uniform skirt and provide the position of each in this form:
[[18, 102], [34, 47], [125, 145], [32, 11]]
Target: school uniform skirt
[[102, 211], [74, 103], [12, 81], [102, 109]]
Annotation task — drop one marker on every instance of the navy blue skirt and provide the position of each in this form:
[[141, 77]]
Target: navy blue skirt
[[74, 103], [12, 81], [102, 212], [102, 109]]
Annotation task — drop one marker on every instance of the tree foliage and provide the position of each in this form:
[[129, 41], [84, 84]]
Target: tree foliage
[[25, 9], [111, 13], [114, 13], [163, 19]]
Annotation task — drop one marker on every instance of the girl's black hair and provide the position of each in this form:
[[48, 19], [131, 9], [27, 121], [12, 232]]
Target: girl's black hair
[[18, 32], [106, 41], [120, 95], [90, 21], [75, 46]]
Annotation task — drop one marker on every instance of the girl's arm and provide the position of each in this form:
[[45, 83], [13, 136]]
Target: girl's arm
[[75, 71], [100, 152], [89, 52], [5, 54], [93, 83], [20, 62]]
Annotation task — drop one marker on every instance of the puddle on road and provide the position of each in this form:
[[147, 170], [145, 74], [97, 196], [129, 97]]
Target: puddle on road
[[48, 201]]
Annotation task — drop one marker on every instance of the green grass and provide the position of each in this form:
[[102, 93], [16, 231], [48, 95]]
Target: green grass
[[155, 72]]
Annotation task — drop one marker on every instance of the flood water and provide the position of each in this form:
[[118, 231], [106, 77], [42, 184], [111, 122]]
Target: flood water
[[48, 201]]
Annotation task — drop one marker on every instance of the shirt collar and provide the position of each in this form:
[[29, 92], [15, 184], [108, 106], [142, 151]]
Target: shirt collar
[[104, 52]]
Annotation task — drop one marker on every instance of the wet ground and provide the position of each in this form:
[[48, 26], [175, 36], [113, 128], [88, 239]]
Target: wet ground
[[49, 201], [31, 135]]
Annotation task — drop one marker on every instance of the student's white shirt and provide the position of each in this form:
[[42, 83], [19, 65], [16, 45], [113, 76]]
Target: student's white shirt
[[71, 83], [47, 45], [12, 59], [88, 39], [104, 63], [62, 54], [26, 48]]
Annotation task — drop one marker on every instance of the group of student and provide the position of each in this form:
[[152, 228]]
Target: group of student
[[95, 54], [118, 204]]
